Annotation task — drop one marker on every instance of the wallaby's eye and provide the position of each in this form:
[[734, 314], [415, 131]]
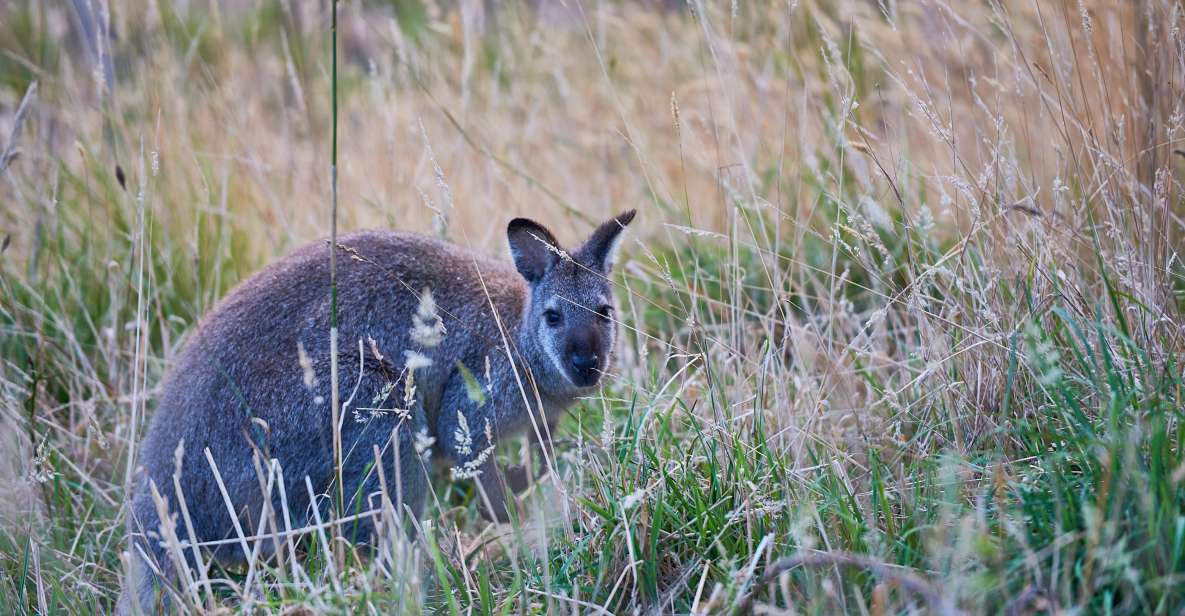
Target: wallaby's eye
[[552, 317], [605, 312]]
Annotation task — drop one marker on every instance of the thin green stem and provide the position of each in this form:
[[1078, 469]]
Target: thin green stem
[[335, 396]]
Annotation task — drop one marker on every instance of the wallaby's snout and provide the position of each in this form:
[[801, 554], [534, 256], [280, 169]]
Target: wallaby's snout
[[570, 318], [585, 368], [585, 351]]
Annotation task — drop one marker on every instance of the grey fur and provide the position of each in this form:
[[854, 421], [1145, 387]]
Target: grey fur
[[239, 389]]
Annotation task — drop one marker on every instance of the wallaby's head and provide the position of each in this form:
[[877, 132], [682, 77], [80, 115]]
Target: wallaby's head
[[570, 317]]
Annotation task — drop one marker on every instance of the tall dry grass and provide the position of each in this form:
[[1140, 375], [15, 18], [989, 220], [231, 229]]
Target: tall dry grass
[[905, 298]]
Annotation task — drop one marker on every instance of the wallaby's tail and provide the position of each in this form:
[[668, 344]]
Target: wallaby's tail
[[143, 592]]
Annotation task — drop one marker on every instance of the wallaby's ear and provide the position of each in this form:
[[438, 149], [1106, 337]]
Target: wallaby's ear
[[599, 250], [533, 248]]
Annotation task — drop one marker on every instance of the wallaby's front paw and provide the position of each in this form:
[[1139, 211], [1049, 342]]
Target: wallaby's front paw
[[496, 512], [518, 478]]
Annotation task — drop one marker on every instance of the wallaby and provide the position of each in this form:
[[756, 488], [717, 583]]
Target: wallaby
[[442, 351]]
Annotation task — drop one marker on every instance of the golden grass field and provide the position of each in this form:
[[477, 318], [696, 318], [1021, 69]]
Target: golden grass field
[[903, 302]]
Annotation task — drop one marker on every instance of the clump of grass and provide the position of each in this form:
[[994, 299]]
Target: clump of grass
[[902, 325]]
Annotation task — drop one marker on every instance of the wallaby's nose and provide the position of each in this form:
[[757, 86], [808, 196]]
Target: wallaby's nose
[[584, 363]]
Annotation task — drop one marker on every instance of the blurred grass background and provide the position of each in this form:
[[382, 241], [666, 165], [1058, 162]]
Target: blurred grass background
[[906, 285]]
